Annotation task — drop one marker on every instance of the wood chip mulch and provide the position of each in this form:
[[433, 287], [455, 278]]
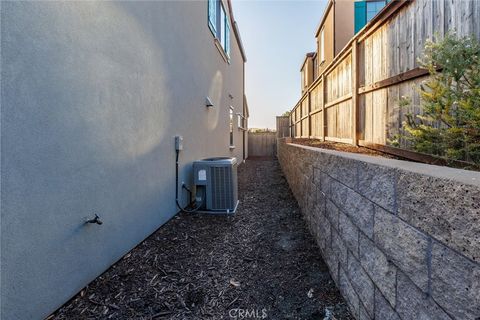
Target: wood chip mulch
[[197, 266], [345, 147]]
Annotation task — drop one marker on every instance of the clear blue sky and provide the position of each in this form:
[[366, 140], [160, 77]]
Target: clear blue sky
[[276, 35]]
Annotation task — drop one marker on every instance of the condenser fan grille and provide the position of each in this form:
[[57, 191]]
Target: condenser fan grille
[[222, 195]]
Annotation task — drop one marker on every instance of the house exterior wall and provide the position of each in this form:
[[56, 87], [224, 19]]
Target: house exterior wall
[[307, 72], [360, 15], [92, 95], [344, 23], [328, 24], [338, 25]]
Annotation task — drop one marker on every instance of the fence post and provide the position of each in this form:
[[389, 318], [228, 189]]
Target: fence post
[[354, 77], [291, 124], [324, 111], [309, 122]]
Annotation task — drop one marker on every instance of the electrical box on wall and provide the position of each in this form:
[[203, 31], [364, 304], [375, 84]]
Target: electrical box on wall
[[178, 143]]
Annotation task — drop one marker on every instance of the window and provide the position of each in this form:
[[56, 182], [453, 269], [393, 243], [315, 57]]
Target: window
[[219, 24], [227, 37], [322, 45], [240, 122], [373, 7], [231, 126], [303, 79], [212, 16], [221, 35]]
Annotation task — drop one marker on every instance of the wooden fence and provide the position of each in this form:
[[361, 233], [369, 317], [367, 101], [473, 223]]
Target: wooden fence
[[283, 126], [356, 99], [262, 144]]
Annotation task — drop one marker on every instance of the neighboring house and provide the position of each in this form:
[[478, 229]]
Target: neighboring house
[[365, 10], [93, 94], [333, 33], [308, 70], [340, 21]]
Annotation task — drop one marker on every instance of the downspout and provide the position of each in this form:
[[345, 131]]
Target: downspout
[[244, 115]]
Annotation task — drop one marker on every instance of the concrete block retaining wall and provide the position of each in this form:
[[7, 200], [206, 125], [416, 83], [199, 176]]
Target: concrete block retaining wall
[[401, 239]]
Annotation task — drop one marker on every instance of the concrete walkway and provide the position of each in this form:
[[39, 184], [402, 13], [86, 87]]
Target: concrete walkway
[[260, 262]]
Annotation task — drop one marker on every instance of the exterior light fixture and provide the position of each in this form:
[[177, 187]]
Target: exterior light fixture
[[208, 102]]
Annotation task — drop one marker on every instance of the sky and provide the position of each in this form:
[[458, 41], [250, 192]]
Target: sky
[[276, 35]]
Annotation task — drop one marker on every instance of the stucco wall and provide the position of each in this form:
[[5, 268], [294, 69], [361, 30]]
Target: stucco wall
[[329, 41], [92, 94], [344, 20], [401, 239]]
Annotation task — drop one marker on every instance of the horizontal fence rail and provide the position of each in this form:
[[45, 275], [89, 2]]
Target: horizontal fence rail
[[356, 99]]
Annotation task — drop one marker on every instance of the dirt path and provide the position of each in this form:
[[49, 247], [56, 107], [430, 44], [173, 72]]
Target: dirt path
[[260, 262]]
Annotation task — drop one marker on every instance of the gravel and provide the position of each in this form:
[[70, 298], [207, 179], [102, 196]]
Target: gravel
[[260, 262]]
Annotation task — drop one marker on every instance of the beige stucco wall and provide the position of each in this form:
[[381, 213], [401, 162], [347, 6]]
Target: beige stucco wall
[[307, 71], [93, 94], [329, 41], [344, 23], [338, 21]]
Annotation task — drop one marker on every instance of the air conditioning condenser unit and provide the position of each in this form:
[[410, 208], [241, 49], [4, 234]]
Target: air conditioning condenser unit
[[216, 184]]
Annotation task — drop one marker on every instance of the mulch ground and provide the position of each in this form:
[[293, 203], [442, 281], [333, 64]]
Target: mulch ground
[[342, 147], [261, 260]]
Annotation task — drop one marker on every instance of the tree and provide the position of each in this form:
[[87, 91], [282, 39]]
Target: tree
[[450, 100]]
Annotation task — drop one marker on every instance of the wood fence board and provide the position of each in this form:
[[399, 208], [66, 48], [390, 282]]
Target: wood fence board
[[361, 117], [361, 66], [438, 24], [393, 112], [412, 62], [344, 119], [385, 53], [475, 18], [368, 117], [379, 109], [261, 144]]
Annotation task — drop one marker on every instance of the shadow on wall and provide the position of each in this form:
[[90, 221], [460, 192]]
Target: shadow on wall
[[215, 92], [87, 122]]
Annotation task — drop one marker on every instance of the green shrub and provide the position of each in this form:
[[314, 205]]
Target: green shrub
[[449, 125]]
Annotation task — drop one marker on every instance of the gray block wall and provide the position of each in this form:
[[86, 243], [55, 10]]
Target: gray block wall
[[401, 239], [92, 95]]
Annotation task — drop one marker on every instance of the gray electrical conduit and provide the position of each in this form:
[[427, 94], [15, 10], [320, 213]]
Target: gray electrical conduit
[[176, 189]]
